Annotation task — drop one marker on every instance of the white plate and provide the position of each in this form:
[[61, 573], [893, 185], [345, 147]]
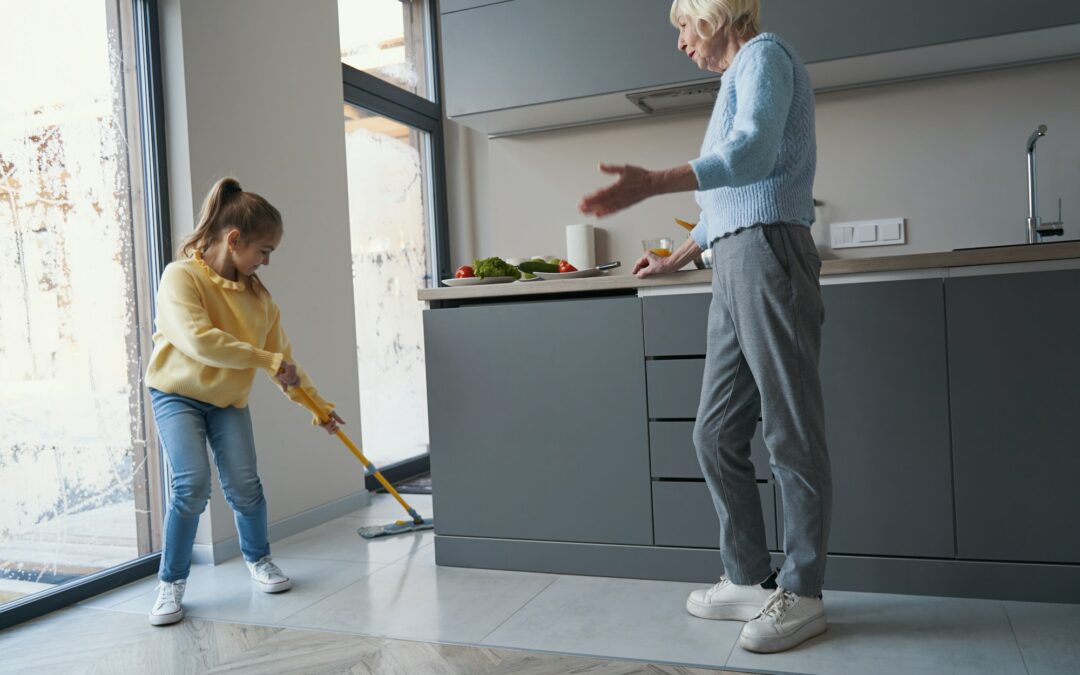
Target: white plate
[[524, 280], [477, 281], [580, 274]]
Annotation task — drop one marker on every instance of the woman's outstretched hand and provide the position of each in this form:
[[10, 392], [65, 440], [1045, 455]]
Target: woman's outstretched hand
[[331, 425], [632, 185]]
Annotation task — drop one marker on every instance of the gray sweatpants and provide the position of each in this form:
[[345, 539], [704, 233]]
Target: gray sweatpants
[[764, 339]]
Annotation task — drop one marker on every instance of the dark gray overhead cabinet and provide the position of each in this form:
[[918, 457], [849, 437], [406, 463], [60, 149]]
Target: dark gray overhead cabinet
[[522, 65]]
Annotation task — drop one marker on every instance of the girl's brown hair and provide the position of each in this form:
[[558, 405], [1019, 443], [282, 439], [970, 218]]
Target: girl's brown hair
[[226, 206]]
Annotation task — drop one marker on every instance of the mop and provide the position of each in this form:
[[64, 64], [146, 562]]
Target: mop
[[417, 523]]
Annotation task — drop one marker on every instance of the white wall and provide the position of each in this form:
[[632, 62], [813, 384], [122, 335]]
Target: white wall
[[947, 154], [253, 88]]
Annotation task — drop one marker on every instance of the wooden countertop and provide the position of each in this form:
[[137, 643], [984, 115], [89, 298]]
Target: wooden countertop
[[982, 256]]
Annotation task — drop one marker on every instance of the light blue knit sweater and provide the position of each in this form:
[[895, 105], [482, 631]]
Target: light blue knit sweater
[[759, 155]]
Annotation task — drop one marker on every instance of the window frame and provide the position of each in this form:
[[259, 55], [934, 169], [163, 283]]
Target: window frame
[[382, 98]]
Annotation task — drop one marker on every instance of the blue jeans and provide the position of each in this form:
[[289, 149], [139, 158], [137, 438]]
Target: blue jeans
[[185, 425]]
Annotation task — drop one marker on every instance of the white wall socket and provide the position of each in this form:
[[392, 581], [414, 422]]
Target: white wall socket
[[884, 232]]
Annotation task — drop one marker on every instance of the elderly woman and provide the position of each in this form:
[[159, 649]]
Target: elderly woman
[[753, 181]]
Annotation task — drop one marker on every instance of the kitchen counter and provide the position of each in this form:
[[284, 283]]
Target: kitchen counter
[[898, 263], [950, 393]]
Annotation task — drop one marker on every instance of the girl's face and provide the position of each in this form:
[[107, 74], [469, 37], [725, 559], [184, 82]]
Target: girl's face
[[249, 256]]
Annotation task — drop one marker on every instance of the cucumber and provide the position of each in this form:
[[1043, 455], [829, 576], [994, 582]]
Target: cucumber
[[533, 266]]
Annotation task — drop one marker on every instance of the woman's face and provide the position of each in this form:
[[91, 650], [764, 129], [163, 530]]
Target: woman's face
[[708, 53], [250, 256]]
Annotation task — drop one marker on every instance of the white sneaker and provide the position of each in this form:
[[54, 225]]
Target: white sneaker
[[785, 621], [729, 601], [268, 576], [167, 609]]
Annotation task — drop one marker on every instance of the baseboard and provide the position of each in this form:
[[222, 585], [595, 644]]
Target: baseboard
[[1034, 582], [226, 549], [395, 473]]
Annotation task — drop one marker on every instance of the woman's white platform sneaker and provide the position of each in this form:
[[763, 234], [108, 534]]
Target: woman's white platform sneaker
[[786, 620], [728, 601]]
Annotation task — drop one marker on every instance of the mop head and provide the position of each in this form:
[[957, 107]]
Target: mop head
[[397, 527]]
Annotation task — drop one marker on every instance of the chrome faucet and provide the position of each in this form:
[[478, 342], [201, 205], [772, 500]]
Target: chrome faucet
[[1036, 229]]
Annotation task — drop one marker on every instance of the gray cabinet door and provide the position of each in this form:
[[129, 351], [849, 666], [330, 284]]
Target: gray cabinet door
[[684, 515], [676, 325], [538, 422], [1014, 369], [534, 51], [674, 387], [883, 375], [672, 453], [825, 30]]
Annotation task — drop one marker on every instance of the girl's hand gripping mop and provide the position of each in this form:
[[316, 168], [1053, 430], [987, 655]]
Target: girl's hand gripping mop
[[370, 532]]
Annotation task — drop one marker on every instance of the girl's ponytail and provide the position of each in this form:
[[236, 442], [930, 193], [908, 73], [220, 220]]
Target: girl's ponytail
[[227, 205]]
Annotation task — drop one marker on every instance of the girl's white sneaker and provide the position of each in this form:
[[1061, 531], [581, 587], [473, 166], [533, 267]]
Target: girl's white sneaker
[[168, 608], [268, 576]]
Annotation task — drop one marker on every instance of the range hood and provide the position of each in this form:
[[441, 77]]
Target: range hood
[[686, 97]]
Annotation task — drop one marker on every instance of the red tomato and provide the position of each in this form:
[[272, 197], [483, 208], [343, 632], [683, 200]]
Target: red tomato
[[565, 267], [464, 272]]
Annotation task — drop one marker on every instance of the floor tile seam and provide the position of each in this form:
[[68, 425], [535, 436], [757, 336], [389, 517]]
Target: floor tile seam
[[335, 591], [554, 580], [335, 560], [1016, 638]]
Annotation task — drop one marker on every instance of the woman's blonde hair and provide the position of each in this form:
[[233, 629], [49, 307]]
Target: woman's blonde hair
[[741, 17], [227, 206]]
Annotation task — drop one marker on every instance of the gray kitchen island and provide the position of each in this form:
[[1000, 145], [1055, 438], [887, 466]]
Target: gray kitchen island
[[561, 412]]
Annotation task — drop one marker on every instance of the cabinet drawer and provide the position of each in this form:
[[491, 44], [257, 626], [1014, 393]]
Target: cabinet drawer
[[684, 515], [675, 325], [672, 455], [674, 387]]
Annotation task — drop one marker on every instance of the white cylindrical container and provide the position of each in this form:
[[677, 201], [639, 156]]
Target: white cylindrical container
[[580, 246]]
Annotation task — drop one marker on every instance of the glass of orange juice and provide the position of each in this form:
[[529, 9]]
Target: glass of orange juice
[[661, 246]]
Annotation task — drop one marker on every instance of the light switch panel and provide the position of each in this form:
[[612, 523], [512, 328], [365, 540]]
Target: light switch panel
[[885, 232]]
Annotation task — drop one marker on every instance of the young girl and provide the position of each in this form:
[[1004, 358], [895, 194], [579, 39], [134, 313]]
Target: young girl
[[217, 325]]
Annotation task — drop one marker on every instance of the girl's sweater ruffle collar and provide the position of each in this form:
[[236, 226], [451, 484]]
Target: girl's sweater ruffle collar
[[217, 278]]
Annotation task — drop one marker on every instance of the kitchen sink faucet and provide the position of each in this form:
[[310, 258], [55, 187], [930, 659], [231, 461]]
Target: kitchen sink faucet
[[1036, 229]]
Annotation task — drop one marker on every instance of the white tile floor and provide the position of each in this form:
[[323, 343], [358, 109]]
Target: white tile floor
[[392, 588]]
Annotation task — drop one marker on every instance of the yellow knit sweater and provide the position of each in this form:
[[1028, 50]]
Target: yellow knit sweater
[[213, 333]]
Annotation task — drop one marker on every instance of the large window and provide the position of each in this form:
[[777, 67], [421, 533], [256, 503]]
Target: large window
[[389, 40], [80, 490], [397, 212]]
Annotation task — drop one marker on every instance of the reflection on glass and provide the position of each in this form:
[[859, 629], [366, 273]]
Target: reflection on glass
[[388, 221], [69, 361], [385, 38]]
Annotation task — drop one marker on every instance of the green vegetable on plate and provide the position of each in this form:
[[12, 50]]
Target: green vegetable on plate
[[495, 267]]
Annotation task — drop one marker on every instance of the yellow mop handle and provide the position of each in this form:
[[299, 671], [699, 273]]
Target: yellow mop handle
[[323, 418]]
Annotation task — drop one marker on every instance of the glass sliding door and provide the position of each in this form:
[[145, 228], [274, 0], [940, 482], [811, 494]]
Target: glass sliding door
[[80, 489], [389, 219], [397, 211]]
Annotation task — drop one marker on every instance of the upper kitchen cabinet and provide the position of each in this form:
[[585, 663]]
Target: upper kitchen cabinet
[[528, 52], [524, 65], [448, 6]]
